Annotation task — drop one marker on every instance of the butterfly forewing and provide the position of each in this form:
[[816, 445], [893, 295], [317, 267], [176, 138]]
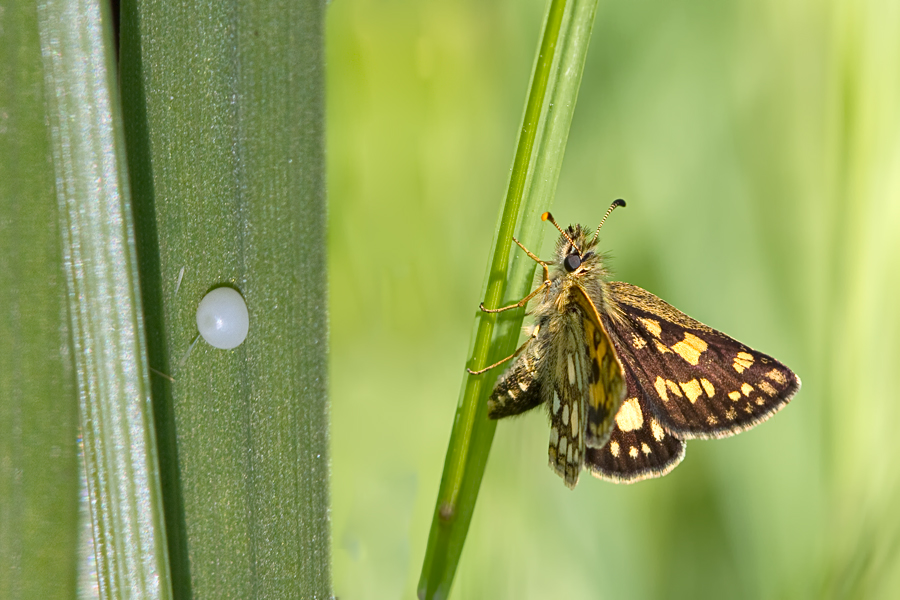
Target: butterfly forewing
[[605, 377], [639, 446], [699, 382]]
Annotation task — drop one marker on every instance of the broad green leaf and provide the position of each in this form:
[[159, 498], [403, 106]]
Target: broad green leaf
[[38, 401], [70, 180], [223, 108]]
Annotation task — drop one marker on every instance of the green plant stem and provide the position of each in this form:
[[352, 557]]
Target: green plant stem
[[38, 400], [104, 305], [539, 153]]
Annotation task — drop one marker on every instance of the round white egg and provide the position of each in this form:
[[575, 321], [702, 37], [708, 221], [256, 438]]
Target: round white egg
[[222, 318]]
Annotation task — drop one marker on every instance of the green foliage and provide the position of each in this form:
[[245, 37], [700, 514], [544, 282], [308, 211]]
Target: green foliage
[[38, 403], [97, 360], [539, 153], [224, 124], [223, 118]]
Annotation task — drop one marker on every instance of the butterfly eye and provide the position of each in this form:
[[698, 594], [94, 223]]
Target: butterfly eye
[[572, 262], [222, 318]]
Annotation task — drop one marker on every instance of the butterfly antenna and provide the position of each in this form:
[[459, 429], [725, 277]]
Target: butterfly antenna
[[548, 217], [616, 203]]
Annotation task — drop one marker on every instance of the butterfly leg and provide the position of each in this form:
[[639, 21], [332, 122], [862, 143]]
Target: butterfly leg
[[524, 300], [518, 304], [511, 356], [533, 257]]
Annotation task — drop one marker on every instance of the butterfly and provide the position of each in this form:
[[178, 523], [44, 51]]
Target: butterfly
[[625, 377]]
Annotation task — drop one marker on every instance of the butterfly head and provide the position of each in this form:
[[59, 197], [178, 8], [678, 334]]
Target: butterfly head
[[575, 250]]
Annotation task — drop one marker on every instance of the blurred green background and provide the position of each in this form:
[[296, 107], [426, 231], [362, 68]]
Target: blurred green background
[[758, 146]]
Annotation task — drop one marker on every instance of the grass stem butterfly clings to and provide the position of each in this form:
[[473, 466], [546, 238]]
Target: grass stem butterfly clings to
[[625, 377]]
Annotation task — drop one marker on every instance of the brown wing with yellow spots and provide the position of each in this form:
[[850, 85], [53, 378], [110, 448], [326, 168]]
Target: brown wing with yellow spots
[[605, 377], [698, 382], [639, 446]]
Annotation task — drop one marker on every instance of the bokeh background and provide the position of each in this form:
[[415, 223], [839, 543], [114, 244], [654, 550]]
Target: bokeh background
[[758, 146]]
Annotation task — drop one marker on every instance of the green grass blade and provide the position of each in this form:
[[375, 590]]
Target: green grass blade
[[540, 149], [224, 124], [103, 300], [38, 402]]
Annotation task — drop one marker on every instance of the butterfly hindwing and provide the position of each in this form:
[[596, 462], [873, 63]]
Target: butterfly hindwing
[[639, 446], [519, 389], [699, 382], [567, 364]]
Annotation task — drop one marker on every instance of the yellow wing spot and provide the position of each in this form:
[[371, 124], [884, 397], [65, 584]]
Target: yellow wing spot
[[691, 390], [571, 366], [690, 348], [660, 347], [612, 369], [735, 396], [766, 387], [660, 385], [708, 387], [614, 449], [673, 387], [760, 400], [602, 349], [746, 388], [569, 454], [776, 376], [554, 437], [633, 452], [730, 414], [658, 432], [637, 341], [748, 408], [645, 448], [652, 326], [563, 445], [630, 416], [565, 415], [712, 420], [742, 361]]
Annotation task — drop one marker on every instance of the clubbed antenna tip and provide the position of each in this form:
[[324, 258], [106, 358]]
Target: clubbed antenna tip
[[616, 203], [548, 217]]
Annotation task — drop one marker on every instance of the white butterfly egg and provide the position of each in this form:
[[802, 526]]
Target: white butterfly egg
[[222, 318]]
